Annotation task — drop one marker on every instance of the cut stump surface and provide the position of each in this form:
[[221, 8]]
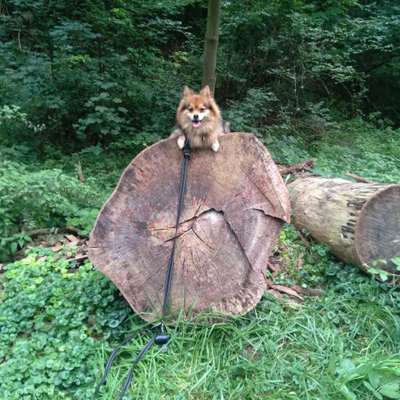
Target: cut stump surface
[[235, 204]]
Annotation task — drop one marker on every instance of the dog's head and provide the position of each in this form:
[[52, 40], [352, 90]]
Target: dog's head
[[197, 109]]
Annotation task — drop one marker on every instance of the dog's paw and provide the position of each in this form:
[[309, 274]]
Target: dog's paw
[[215, 146], [181, 142]]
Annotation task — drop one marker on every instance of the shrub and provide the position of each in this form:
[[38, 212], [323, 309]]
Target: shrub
[[51, 320], [32, 199]]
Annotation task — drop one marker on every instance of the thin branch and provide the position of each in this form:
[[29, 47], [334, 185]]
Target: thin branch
[[359, 178]]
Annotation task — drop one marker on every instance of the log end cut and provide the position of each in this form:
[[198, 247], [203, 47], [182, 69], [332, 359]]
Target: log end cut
[[377, 235], [235, 204]]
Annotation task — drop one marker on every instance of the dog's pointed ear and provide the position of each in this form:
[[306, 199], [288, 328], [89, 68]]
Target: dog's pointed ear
[[187, 91], [206, 91]]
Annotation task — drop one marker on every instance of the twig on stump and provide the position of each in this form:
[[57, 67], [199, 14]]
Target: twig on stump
[[297, 167], [359, 178]]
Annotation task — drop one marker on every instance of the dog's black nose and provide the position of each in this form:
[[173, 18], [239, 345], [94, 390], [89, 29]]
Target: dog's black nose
[[195, 117]]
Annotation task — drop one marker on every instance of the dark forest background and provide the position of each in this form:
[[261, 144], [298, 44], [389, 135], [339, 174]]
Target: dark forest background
[[109, 73], [85, 85]]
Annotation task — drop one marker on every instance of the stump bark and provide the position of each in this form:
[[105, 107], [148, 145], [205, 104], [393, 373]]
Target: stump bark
[[235, 204], [360, 222]]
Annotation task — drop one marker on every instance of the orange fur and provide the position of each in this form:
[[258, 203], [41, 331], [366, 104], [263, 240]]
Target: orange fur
[[206, 133]]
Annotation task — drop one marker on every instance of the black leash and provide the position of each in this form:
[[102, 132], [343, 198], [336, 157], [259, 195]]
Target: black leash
[[161, 338]]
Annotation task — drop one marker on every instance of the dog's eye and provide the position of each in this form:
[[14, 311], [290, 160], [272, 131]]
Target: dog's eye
[[202, 109], [190, 109]]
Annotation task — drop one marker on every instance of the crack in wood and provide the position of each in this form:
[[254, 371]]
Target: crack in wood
[[185, 221], [238, 241], [201, 240]]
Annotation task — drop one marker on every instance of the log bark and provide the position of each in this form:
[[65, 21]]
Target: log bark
[[235, 204], [360, 222]]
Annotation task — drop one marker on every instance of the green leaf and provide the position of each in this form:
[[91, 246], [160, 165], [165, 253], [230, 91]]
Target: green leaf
[[391, 390], [347, 393], [13, 247], [376, 394], [374, 378], [347, 366], [383, 275], [396, 262]]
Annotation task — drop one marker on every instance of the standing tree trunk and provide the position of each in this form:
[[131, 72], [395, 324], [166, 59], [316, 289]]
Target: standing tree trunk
[[360, 222], [211, 44]]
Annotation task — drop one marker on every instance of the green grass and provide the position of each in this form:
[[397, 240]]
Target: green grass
[[280, 350], [285, 352], [57, 328], [358, 147], [275, 352], [353, 146]]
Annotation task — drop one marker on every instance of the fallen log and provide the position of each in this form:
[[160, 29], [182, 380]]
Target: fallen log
[[235, 204], [360, 222]]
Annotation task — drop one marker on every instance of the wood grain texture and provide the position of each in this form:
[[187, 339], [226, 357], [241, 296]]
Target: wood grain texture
[[377, 235], [360, 222], [235, 204]]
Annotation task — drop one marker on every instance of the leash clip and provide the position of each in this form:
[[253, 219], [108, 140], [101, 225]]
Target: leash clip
[[162, 338]]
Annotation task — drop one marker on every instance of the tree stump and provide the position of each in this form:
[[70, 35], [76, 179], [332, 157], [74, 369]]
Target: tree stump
[[360, 222], [235, 204]]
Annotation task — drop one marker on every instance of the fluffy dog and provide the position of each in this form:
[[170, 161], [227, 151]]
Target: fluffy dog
[[199, 120]]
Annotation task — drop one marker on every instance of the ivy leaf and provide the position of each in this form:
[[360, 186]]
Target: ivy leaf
[[391, 390]]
